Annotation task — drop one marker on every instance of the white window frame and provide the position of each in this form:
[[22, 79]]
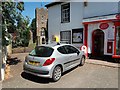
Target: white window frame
[[66, 38], [65, 13]]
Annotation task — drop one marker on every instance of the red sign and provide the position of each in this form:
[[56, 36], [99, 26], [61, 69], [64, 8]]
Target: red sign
[[118, 16], [104, 26]]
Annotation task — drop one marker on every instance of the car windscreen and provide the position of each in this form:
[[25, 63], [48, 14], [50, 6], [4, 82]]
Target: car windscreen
[[42, 51]]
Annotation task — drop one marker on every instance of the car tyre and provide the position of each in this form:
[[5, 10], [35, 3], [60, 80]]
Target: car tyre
[[57, 72], [82, 61]]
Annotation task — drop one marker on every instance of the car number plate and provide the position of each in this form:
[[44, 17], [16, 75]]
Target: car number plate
[[34, 63]]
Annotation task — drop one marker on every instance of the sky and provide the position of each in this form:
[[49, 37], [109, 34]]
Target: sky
[[30, 8]]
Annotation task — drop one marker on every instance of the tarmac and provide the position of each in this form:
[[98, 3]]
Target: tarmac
[[99, 72]]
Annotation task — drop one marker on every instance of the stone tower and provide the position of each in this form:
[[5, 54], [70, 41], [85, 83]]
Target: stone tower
[[41, 25]]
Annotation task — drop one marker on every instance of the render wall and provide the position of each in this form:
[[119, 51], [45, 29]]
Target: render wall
[[100, 8]]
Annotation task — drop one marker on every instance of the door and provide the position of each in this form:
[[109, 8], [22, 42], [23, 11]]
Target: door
[[74, 58], [64, 58], [98, 43]]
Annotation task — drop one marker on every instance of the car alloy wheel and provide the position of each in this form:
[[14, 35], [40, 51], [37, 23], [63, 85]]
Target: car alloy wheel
[[57, 73], [82, 62]]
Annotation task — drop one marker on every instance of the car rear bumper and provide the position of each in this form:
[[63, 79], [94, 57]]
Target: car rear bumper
[[38, 71], [40, 75]]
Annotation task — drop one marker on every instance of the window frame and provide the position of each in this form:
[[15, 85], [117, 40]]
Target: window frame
[[79, 30], [65, 13], [68, 41], [42, 31]]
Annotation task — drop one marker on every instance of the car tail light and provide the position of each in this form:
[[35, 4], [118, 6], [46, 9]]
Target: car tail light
[[49, 61]]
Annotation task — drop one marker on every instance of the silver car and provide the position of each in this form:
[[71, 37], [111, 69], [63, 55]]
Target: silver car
[[50, 61]]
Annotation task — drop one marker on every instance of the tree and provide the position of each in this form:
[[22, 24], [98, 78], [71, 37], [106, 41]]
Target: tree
[[33, 29], [23, 30], [13, 21], [10, 12]]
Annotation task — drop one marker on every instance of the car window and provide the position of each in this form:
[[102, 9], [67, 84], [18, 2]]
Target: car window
[[62, 50], [71, 49], [42, 51]]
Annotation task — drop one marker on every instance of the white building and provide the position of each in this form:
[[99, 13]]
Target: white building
[[93, 24]]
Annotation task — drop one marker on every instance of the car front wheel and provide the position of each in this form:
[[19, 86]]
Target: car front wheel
[[82, 61], [57, 73]]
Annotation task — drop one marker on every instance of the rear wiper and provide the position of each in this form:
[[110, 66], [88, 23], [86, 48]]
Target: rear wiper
[[34, 55], [31, 55]]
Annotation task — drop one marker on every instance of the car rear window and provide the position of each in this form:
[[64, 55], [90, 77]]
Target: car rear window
[[42, 51]]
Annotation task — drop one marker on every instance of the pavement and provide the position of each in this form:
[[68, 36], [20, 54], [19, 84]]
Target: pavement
[[103, 63]]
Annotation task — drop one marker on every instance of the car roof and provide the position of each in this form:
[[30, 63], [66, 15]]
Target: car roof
[[55, 45]]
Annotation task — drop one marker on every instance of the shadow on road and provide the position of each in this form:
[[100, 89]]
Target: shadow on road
[[69, 70], [13, 61], [35, 78], [42, 80]]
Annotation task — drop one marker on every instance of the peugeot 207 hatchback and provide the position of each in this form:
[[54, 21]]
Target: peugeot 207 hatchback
[[50, 61]]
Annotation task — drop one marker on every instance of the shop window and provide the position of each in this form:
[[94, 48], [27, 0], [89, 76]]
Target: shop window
[[118, 41], [65, 36], [65, 13], [77, 35]]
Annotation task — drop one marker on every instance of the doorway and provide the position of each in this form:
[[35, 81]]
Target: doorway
[[97, 43]]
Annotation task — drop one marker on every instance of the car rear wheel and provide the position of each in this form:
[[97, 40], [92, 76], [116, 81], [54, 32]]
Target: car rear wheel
[[57, 73], [82, 61]]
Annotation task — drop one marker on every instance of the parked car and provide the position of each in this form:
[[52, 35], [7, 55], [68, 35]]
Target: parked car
[[50, 61]]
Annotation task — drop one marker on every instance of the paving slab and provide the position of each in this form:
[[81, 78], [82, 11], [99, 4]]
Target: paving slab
[[104, 63]]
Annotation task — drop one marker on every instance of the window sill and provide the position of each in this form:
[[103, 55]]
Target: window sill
[[66, 22]]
